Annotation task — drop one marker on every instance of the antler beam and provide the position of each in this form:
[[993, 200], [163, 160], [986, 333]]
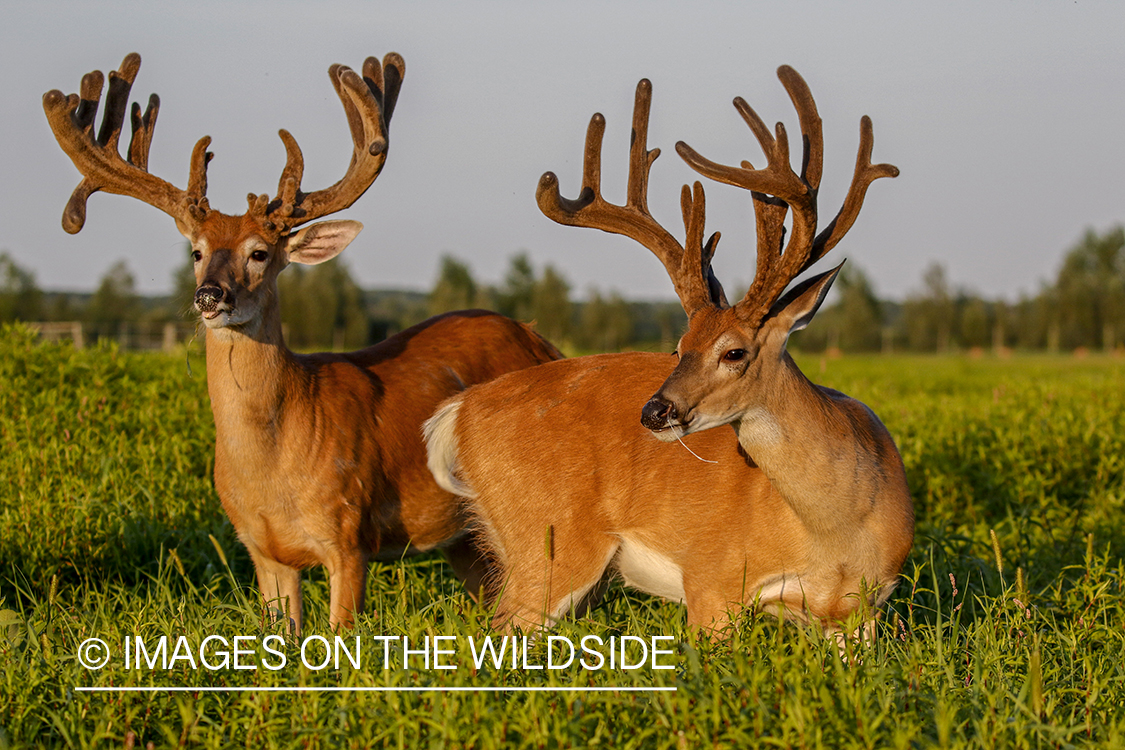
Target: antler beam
[[72, 120], [368, 103]]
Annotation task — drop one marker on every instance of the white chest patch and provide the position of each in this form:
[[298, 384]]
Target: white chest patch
[[649, 571], [758, 427]]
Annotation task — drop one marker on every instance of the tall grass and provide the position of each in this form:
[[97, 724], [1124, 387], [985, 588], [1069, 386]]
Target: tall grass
[[1006, 630]]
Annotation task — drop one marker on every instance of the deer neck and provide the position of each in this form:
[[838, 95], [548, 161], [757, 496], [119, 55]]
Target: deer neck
[[251, 377], [805, 445]]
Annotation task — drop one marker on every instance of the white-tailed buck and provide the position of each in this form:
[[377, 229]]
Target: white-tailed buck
[[318, 458], [807, 513]]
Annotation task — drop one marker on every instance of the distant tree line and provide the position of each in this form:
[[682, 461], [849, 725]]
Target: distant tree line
[[114, 304], [1083, 308], [323, 307], [603, 322]]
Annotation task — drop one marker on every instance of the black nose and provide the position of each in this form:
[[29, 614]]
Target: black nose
[[208, 297], [657, 413]]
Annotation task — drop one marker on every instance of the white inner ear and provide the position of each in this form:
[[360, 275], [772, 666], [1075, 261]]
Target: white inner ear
[[804, 317], [317, 243], [800, 311], [185, 230]]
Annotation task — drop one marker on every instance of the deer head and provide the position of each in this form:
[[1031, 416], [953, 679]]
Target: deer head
[[732, 357], [237, 258]]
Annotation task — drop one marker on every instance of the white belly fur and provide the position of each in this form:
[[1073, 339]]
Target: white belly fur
[[649, 571]]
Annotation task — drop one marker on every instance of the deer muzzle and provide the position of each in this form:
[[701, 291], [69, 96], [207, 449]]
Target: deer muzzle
[[208, 298], [658, 413]]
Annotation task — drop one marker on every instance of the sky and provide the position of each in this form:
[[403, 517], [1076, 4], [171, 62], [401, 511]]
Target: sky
[[1006, 119]]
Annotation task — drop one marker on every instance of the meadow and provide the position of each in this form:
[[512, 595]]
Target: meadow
[[1007, 629]]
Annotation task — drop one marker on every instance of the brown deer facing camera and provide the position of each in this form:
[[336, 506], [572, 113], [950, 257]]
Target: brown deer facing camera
[[807, 514], [319, 458]]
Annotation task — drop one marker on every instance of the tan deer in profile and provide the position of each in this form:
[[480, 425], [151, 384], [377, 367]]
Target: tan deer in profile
[[318, 458], [806, 513]]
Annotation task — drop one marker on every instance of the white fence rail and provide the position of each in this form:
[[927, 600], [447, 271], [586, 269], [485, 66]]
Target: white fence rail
[[145, 336]]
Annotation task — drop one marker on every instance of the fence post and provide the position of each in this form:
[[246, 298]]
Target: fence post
[[169, 337]]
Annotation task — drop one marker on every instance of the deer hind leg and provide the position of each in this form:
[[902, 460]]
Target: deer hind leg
[[347, 581], [540, 584], [280, 586]]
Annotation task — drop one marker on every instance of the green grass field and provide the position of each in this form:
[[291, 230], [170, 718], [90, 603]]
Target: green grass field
[[1007, 630]]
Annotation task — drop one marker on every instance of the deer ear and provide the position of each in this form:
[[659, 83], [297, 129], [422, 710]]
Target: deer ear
[[317, 243], [793, 312]]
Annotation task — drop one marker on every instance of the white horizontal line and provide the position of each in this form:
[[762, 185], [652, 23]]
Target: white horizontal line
[[375, 689]]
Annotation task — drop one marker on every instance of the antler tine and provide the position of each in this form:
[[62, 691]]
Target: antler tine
[[288, 187], [697, 256], [776, 188], [143, 125], [581, 210], [776, 179], [865, 174], [783, 266], [632, 219], [72, 118], [769, 212], [117, 101], [812, 131], [368, 102], [640, 158], [386, 80]]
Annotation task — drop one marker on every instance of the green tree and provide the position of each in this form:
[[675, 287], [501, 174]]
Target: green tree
[[976, 322], [619, 323], [550, 305], [928, 317], [606, 323], [669, 318], [455, 288], [1001, 320], [858, 319], [183, 285], [1091, 290], [115, 301], [20, 298], [62, 307], [322, 307], [1034, 320], [516, 298]]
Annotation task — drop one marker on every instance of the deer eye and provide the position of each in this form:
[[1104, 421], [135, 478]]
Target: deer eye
[[196, 256], [735, 355], [259, 255]]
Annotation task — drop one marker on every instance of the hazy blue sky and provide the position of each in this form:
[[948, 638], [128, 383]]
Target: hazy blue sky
[[1007, 120]]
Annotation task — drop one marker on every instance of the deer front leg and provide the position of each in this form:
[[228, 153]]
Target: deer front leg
[[347, 579], [711, 619], [281, 589], [709, 609], [469, 563]]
